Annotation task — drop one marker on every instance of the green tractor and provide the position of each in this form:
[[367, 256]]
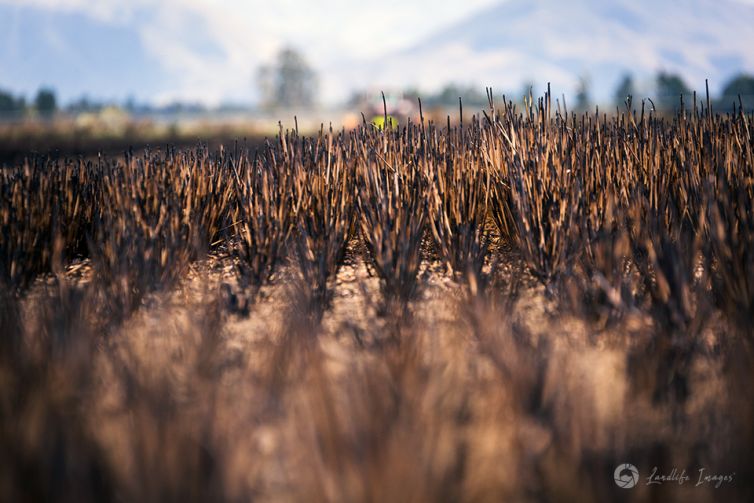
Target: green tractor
[[378, 121]]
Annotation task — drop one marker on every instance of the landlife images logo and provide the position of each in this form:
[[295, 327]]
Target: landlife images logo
[[626, 476]]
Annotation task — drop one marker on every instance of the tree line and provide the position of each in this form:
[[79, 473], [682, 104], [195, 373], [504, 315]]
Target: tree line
[[45, 104], [290, 82], [670, 87]]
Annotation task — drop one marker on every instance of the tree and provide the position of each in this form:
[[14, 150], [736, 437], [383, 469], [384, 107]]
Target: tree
[[624, 90], [10, 105], [46, 102], [670, 88], [289, 83], [742, 85], [583, 98]]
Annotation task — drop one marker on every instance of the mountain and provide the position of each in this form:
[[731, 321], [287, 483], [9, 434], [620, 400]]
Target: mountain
[[203, 50], [520, 41]]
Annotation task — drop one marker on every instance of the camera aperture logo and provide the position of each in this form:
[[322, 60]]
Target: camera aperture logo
[[626, 476]]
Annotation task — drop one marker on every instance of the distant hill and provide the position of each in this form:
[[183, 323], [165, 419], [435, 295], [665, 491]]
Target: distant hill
[[558, 41]]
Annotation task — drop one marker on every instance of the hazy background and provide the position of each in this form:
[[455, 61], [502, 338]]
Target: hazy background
[[175, 58]]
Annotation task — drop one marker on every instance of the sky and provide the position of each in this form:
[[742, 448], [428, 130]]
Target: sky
[[208, 50], [236, 36]]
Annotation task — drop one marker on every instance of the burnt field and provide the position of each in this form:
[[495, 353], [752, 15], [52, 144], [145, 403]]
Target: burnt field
[[503, 309], [20, 148]]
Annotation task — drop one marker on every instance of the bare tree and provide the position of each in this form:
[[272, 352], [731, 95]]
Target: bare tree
[[289, 83]]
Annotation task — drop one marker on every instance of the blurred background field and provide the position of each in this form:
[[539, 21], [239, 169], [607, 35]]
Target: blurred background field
[[79, 79]]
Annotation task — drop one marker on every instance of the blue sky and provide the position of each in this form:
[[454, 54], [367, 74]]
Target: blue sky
[[203, 49], [208, 50]]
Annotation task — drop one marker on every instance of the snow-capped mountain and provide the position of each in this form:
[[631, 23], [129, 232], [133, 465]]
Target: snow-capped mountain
[[558, 41]]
